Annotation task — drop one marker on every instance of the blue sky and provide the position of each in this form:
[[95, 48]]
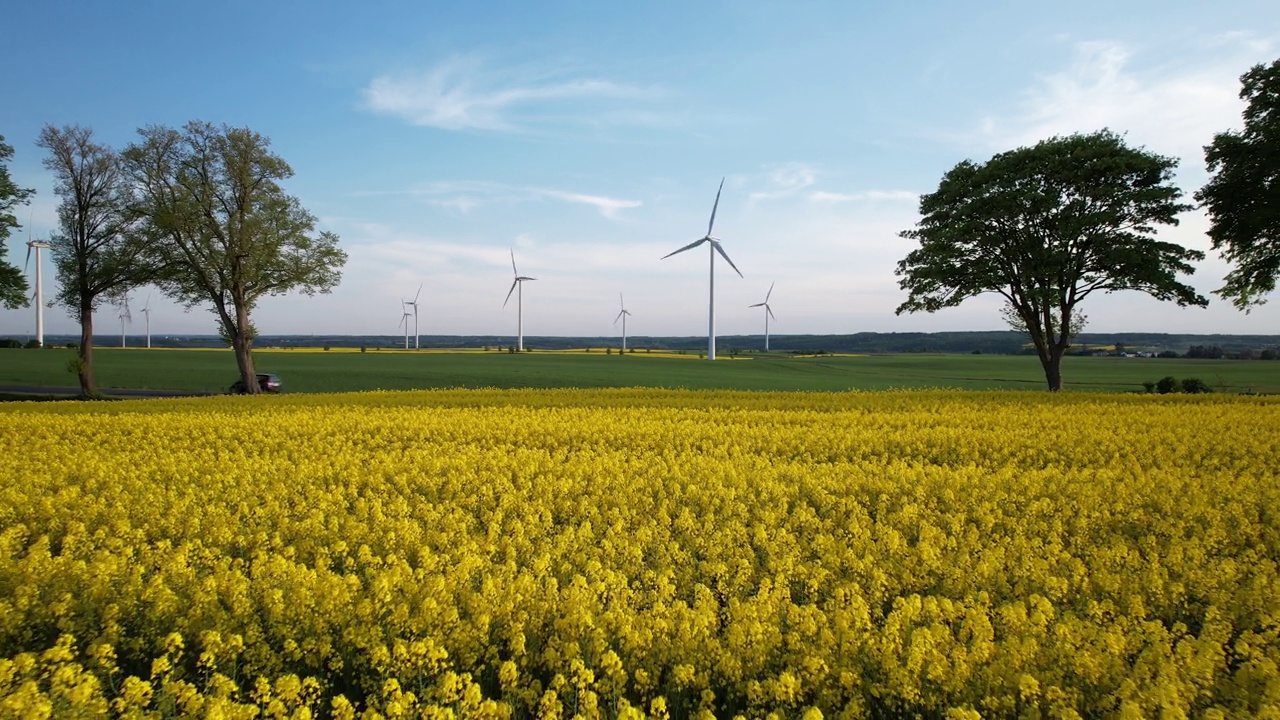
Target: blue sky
[[590, 137]]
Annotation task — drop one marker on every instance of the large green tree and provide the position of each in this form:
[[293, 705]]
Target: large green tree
[[1243, 194], [1045, 227], [222, 230], [98, 250], [13, 286]]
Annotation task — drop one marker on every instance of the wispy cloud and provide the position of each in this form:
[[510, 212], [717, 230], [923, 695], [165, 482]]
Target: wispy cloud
[[821, 196], [1173, 107], [785, 181], [466, 195], [461, 93], [607, 206]]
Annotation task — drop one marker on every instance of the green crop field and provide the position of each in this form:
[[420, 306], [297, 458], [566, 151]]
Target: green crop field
[[318, 371]]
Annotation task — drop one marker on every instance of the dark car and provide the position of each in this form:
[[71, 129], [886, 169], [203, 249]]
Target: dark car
[[267, 381]]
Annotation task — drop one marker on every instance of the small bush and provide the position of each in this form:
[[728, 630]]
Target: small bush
[[11, 344], [1195, 385], [1167, 385], [1149, 386], [32, 344], [326, 347], [364, 349]]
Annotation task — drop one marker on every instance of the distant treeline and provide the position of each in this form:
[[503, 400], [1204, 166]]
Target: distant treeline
[[992, 342]]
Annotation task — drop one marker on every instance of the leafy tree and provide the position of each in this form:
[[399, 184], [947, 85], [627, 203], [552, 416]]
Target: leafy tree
[[1195, 385], [1243, 194], [1045, 227], [1211, 352], [223, 231], [13, 286], [97, 251]]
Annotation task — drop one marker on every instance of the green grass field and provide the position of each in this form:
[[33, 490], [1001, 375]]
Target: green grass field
[[318, 371]]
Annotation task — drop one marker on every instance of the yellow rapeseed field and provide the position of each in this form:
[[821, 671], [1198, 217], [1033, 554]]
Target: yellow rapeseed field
[[642, 553]]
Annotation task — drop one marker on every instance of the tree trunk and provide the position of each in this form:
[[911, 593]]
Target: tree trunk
[[88, 388], [242, 343], [1052, 363]]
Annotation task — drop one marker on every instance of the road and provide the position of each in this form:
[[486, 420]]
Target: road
[[10, 392]]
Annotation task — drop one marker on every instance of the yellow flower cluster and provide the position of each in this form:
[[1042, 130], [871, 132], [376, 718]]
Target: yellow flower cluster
[[641, 553]]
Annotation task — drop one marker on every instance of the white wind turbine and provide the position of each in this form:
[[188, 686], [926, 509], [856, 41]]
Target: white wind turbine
[[714, 245], [146, 310], [404, 322], [768, 313], [414, 303], [125, 316], [38, 295], [518, 283], [622, 315]]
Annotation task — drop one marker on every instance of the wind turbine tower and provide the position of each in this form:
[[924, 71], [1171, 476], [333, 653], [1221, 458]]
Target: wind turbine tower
[[714, 247], [146, 311], [622, 315], [768, 313], [125, 316], [414, 303], [404, 322], [38, 296], [518, 283]]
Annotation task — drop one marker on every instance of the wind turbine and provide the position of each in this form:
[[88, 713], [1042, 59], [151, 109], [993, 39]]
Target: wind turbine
[[414, 303], [622, 315], [714, 245], [146, 310], [38, 295], [125, 316], [518, 283], [404, 321], [768, 313]]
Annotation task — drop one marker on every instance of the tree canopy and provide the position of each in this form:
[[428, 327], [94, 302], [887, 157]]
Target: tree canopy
[[13, 286], [1243, 195], [1045, 227], [222, 230], [97, 251]]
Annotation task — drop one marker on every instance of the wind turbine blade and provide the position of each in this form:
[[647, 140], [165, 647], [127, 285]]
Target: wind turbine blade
[[513, 263], [621, 304], [28, 262], [513, 289], [615, 320], [415, 295], [720, 250], [713, 208], [690, 246], [770, 311], [766, 295], [757, 305]]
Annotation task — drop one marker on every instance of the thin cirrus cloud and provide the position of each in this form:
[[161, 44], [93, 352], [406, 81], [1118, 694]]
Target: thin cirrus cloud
[[1172, 107], [822, 196], [796, 180], [461, 94], [785, 181], [466, 195]]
